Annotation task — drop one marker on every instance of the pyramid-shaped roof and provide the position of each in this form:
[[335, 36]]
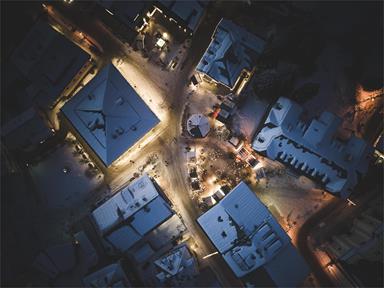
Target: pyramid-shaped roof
[[109, 115]]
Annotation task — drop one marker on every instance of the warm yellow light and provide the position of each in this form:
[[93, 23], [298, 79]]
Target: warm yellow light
[[210, 255]]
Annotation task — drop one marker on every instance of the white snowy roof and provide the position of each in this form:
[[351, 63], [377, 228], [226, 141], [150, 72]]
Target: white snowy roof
[[153, 214], [198, 125], [166, 232], [175, 261], [125, 203], [313, 149], [109, 115], [244, 231], [231, 50]]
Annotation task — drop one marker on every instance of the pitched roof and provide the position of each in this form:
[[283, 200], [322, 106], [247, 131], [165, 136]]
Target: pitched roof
[[246, 234], [231, 50], [153, 214], [109, 115], [313, 148], [47, 61], [189, 11], [125, 203]]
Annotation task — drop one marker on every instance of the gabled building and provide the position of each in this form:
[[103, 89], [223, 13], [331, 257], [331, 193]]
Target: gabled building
[[108, 116], [312, 148], [231, 56], [134, 210], [248, 237], [176, 265]]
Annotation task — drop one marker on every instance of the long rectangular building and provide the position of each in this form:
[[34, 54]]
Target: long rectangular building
[[313, 149]]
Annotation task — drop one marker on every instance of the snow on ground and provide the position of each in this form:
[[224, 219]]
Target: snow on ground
[[64, 197], [291, 200], [249, 116], [63, 190]]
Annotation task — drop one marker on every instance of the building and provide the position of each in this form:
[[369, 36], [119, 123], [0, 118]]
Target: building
[[176, 265], [138, 208], [364, 241], [248, 237], [111, 275], [128, 15], [198, 126], [41, 69], [133, 16], [186, 14], [108, 116], [313, 149], [231, 56]]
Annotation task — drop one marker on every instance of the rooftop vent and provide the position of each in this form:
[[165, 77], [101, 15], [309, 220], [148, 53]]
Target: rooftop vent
[[223, 234], [219, 219], [119, 101], [119, 130], [278, 106]]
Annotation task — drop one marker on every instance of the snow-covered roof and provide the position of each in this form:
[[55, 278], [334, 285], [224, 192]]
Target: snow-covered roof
[[48, 62], [244, 231], [231, 50], [190, 11], [123, 238], [166, 232], [313, 148], [125, 203], [153, 214], [109, 115], [109, 276], [198, 125], [175, 261]]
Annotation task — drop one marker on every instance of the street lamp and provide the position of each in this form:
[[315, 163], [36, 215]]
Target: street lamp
[[210, 255]]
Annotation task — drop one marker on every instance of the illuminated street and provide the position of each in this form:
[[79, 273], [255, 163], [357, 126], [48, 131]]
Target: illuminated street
[[195, 133]]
